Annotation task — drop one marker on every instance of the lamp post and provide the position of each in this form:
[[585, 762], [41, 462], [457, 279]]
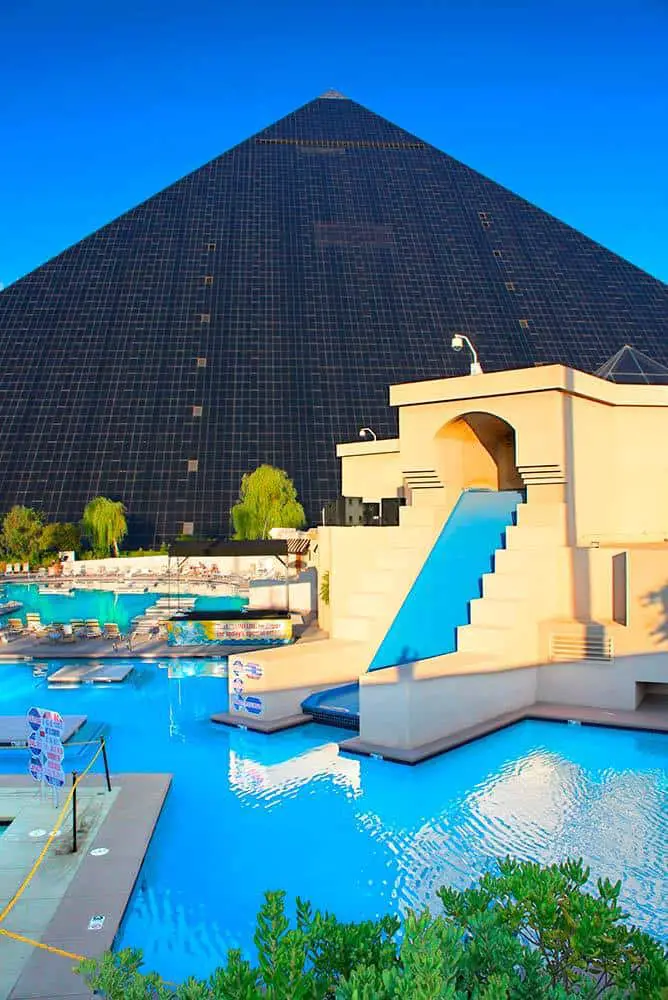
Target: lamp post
[[367, 430], [458, 341]]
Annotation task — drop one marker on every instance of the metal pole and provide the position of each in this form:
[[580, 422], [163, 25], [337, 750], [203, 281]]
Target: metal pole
[[106, 762], [74, 812]]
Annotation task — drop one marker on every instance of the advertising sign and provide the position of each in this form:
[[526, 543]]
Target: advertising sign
[[269, 631], [45, 744]]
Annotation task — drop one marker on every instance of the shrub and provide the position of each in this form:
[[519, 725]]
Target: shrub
[[526, 933], [324, 588], [21, 533]]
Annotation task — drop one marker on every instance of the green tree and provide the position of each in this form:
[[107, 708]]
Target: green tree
[[21, 533], [267, 499], [104, 524], [60, 536], [526, 933]]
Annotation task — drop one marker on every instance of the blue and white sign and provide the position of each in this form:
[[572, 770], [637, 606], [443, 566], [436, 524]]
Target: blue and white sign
[[254, 671], [254, 705], [45, 744]]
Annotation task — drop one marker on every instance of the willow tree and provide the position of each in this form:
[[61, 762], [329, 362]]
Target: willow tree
[[267, 499], [104, 523]]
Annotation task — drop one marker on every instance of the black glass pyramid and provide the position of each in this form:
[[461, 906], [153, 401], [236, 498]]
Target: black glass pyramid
[[632, 366], [258, 309]]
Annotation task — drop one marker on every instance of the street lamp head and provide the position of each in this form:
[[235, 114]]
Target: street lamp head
[[367, 430], [457, 342]]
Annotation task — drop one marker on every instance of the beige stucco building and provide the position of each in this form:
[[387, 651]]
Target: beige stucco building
[[576, 608]]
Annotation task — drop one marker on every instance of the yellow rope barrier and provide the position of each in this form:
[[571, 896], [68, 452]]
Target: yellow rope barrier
[[40, 944], [61, 815]]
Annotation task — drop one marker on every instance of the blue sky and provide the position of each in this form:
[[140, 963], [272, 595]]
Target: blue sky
[[103, 104]]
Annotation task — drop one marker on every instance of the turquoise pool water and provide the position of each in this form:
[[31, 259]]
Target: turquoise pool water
[[104, 605], [249, 812]]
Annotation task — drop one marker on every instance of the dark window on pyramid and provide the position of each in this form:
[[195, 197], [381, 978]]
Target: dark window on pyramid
[[347, 252]]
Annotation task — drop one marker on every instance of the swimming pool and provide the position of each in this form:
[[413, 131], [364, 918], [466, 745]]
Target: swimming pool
[[248, 812], [104, 605]]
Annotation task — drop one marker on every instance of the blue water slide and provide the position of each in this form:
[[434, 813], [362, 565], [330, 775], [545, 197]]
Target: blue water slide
[[438, 602]]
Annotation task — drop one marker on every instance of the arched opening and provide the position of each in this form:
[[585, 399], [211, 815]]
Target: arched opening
[[477, 450]]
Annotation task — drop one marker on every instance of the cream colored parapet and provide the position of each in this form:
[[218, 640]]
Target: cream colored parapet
[[522, 380], [545, 428], [370, 469]]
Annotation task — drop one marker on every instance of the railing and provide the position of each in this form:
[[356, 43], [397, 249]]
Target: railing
[[564, 646], [71, 798]]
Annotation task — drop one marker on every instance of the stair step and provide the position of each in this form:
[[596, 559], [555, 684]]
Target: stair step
[[506, 586], [375, 580], [397, 559], [523, 561], [541, 514], [487, 611], [423, 517], [357, 627], [367, 604], [520, 536], [492, 639]]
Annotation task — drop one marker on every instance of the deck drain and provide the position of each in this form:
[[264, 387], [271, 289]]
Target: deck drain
[[37, 833], [99, 852]]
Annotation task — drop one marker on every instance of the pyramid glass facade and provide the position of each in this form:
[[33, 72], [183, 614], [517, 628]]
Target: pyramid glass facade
[[257, 310]]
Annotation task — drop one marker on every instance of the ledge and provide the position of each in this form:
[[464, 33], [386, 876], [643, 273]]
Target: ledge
[[260, 725], [651, 718]]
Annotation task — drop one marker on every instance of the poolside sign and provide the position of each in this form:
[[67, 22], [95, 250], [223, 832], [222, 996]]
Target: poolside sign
[[45, 743]]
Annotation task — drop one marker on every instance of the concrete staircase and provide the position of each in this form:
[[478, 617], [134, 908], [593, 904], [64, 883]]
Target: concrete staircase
[[384, 584], [530, 582]]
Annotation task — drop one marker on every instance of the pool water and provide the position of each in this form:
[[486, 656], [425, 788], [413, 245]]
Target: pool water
[[104, 605], [249, 812]]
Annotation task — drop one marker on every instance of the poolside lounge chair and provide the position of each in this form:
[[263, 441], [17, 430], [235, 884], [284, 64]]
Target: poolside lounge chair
[[15, 626], [93, 630], [112, 631]]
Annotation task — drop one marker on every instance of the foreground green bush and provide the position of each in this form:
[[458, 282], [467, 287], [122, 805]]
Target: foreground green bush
[[527, 933]]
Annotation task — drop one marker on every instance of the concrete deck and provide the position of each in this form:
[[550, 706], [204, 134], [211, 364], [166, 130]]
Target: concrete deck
[[13, 729], [45, 649], [87, 673], [261, 725], [652, 715], [68, 888]]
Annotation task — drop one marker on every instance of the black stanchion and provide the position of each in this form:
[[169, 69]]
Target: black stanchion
[[74, 812], [106, 762]]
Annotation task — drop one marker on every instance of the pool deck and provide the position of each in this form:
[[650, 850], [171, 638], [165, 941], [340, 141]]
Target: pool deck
[[652, 715], [13, 729], [69, 889], [29, 647]]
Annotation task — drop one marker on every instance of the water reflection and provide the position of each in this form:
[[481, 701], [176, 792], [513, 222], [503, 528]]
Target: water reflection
[[271, 782]]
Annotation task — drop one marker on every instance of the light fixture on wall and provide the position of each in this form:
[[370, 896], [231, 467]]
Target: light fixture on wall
[[458, 341], [367, 430]]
